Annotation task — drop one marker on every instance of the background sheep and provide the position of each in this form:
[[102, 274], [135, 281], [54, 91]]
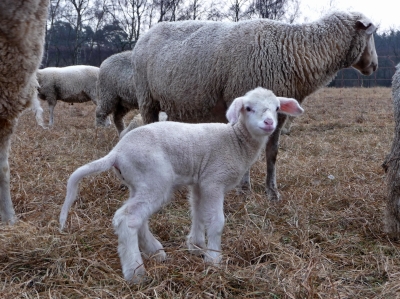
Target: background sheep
[[392, 166], [22, 28], [115, 90], [202, 66], [71, 84], [210, 158]]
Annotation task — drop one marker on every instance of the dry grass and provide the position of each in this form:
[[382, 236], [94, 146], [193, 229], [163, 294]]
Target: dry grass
[[323, 240]]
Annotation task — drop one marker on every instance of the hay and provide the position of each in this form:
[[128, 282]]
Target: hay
[[325, 238]]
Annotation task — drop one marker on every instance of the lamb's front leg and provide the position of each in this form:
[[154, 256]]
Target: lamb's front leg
[[196, 238], [209, 213], [6, 207]]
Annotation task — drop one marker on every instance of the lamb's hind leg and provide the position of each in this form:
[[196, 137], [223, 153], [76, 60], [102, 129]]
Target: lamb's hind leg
[[6, 207], [130, 224], [149, 244]]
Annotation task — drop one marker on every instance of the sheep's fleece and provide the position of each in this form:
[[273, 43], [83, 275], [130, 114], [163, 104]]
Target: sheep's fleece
[[209, 158], [22, 28], [193, 70], [71, 84]]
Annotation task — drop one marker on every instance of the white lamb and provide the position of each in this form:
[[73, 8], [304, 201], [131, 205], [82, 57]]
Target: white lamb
[[193, 70], [210, 158], [22, 30], [71, 84]]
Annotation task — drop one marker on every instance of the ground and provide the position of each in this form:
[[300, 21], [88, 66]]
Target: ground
[[325, 239]]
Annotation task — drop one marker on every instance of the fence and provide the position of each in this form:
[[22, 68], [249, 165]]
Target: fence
[[382, 77]]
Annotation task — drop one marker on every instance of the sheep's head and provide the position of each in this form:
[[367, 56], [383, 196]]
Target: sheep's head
[[368, 61], [259, 108]]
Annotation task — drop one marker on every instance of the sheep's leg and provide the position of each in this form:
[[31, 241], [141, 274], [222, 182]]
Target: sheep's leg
[[288, 124], [196, 238], [149, 244], [271, 152], [52, 105], [118, 115], [6, 207]]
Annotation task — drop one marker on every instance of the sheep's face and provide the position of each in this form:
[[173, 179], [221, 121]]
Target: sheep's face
[[368, 61], [259, 109]]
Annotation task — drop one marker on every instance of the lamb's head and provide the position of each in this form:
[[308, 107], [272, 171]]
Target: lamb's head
[[367, 62], [258, 109]]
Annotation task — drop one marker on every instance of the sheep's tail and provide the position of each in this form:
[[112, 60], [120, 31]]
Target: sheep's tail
[[96, 166]]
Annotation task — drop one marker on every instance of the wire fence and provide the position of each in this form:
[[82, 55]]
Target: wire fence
[[349, 77]]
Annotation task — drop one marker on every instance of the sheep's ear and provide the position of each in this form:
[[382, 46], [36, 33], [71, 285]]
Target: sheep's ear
[[366, 25], [289, 106], [234, 109]]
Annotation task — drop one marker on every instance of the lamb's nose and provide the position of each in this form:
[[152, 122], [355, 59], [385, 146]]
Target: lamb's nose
[[269, 121]]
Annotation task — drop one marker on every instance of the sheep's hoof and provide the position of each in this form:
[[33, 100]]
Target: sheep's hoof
[[244, 187], [285, 131], [196, 249], [273, 194]]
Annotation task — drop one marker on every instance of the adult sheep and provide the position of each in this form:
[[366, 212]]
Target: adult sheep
[[192, 70], [22, 28], [71, 84], [115, 92], [392, 166]]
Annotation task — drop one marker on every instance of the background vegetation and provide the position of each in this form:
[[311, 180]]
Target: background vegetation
[[89, 31]]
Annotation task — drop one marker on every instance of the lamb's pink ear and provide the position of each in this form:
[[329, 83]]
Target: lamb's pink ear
[[289, 106], [233, 112]]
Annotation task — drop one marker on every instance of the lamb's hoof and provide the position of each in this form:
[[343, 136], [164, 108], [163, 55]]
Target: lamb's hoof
[[214, 258], [136, 276], [9, 220], [159, 256], [196, 249], [273, 194]]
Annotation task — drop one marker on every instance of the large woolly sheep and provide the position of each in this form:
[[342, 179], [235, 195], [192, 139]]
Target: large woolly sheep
[[211, 158], [22, 28], [115, 92], [192, 70], [392, 166], [71, 84]]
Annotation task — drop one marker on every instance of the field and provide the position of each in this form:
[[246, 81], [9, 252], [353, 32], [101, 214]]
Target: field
[[324, 239]]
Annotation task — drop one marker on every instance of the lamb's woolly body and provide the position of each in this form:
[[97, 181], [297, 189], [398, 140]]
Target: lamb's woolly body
[[392, 212], [22, 28], [116, 93], [210, 158], [192, 70], [71, 84]]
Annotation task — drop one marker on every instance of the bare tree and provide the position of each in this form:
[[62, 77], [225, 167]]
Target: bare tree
[[80, 12], [238, 9], [269, 9], [52, 15], [130, 14]]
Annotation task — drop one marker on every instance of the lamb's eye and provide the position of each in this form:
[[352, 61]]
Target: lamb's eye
[[277, 108], [248, 109]]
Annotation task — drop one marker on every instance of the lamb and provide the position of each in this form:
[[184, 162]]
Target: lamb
[[115, 91], [392, 166], [208, 64], [209, 158], [71, 84], [22, 30]]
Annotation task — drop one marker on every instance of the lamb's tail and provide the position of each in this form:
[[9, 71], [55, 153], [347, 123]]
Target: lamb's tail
[[96, 166]]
